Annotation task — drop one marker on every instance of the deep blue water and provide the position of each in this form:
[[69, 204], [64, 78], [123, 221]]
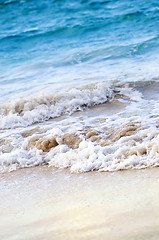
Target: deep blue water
[[47, 45]]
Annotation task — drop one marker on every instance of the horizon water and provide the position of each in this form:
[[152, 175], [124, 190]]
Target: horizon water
[[79, 84]]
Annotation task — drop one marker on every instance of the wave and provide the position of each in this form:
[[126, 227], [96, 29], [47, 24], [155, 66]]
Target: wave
[[127, 139], [8, 2], [25, 112], [129, 146], [131, 15]]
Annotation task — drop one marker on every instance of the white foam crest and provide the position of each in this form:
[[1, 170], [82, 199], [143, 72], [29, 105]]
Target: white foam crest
[[120, 155], [19, 158], [25, 112]]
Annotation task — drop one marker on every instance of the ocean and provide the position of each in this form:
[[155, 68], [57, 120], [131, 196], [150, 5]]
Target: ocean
[[79, 84]]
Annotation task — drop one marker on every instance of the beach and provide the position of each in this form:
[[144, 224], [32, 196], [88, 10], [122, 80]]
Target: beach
[[79, 120], [46, 203]]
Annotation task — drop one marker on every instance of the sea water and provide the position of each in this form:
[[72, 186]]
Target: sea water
[[79, 84]]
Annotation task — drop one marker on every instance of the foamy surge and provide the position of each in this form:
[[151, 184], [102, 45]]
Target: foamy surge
[[129, 146], [25, 112], [125, 139]]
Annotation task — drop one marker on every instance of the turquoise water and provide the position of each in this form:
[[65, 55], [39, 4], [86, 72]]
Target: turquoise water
[[51, 45]]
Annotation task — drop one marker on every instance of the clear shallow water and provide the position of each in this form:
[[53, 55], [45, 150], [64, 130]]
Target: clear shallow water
[[105, 51]]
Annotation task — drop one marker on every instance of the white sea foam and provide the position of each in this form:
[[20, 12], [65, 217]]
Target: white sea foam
[[125, 139], [24, 112], [139, 149]]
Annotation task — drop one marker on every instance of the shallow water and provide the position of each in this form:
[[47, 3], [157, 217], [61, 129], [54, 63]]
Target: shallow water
[[79, 84]]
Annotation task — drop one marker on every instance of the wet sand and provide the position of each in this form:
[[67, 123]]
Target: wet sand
[[44, 203]]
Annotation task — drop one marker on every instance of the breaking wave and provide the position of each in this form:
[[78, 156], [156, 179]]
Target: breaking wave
[[125, 139], [25, 112]]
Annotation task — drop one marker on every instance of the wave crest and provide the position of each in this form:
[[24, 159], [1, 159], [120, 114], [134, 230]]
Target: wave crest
[[25, 112]]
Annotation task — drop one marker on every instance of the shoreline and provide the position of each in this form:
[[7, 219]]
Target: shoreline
[[45, 203]]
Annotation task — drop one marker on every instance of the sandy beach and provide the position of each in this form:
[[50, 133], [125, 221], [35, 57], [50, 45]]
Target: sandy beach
[[45, 203], [79, 120]]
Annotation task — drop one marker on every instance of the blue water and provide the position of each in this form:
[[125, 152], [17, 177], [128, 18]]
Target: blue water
[[48, 45]]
